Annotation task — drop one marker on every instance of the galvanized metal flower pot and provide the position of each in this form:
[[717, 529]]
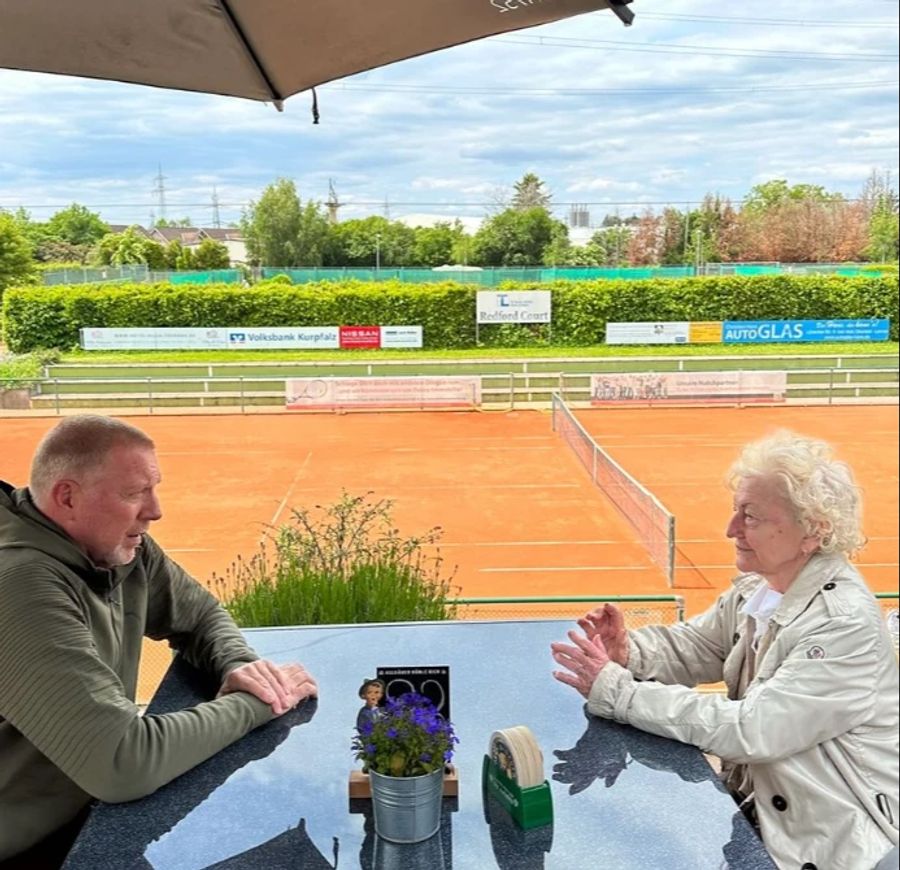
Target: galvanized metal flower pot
[[407, 808]]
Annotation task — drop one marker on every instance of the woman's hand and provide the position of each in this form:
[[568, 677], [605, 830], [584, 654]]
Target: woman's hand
[[583, 661]]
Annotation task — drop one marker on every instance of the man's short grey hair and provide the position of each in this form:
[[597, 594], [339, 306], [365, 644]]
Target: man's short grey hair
[[824, 495], [78, 445]]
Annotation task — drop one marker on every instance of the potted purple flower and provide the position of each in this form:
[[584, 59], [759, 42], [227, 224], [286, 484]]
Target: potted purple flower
[[404, 749]]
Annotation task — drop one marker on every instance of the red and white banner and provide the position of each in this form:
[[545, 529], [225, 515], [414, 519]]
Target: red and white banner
[[688, 387], [359, 337], [413, 392]]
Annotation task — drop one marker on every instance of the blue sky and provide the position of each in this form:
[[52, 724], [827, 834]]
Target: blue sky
[[697, 96]]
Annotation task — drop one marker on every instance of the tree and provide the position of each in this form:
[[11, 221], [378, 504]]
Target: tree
[[211, 254], [880, 205], [796, 224], [433, 246], [559, 251], [515, 238], [185, 261], [172, 222], [281, 231], [713, 229], [58, 251], [609, 246], [77, 225], [530, 193], [15, 252], [673, 243], [155, 256], [102, 252], [364, 242], [173, 252], [129, 248], [615, 220], [645, 244], [883, 231], [772, 194]]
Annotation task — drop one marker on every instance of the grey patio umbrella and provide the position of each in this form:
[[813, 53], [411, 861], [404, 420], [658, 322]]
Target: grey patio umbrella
[[259, 49]]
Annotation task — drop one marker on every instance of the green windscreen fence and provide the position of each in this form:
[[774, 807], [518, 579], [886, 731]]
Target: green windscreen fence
[[486, 277], [490, 277], [213, 276]]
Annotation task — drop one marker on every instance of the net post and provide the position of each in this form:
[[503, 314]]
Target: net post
[[671, 566]]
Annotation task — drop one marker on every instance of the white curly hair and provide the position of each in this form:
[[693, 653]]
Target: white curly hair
[[824, 495]]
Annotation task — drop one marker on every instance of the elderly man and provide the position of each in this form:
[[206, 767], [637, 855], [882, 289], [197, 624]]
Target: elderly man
[[81, 583], [808, 732]]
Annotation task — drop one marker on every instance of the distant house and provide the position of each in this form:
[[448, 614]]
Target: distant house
[[187, 236], [118, 229], [191, 237], [231, 238]]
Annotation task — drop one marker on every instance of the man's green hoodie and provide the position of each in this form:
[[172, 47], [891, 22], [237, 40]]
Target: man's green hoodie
[[70, 643]]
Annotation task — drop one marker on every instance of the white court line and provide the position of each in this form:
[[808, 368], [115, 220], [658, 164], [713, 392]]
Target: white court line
[[190, 550], [435, 449], [432, 486], [596, 542], [730, 566], [617, 541], [559, 569], [235, 452], [290, 489]]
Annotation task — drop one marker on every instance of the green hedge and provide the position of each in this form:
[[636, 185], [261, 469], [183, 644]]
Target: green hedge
[[50, 317]]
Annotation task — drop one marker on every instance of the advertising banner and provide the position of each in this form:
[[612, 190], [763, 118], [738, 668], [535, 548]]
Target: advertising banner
[[647, 333], [296, 337], [688, 387], [360, 337], [401, 336], [518, 306], [250, 338], [412, 392], [768, 331], [705, 332], [137, 338]]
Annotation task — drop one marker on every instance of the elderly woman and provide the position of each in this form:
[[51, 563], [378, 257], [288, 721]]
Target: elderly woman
[[808, 731]]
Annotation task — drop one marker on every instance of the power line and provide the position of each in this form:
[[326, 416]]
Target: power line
[[772, 22], [678, 48], [382, 203], [399, 87]]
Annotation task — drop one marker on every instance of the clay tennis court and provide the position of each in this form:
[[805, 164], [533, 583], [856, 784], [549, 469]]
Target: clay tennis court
[[520, 516]]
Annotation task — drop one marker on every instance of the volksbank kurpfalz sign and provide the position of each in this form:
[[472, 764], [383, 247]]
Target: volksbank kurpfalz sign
[[518, 306], [775, 331], [284, 337]]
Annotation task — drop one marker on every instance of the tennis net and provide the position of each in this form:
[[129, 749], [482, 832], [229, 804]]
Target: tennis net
[[654, 524]]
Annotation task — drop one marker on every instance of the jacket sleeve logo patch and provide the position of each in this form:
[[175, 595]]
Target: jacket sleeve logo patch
[[815, 652]]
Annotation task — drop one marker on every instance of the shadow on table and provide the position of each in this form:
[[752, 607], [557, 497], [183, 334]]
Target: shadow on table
[[101, 843], [607, 749]]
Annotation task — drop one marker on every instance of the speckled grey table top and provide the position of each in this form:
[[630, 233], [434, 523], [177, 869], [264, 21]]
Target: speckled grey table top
[[622, 798]]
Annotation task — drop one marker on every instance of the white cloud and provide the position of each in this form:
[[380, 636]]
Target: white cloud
[[599, 112]]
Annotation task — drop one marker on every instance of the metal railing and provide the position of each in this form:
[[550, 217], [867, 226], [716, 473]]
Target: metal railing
[[639, 610], [499, 390]]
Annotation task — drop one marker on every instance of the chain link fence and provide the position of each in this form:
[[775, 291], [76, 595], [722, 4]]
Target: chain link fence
[[639, 610]]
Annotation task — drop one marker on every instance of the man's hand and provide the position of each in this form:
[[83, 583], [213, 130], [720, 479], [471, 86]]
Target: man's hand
[[281, 686], [585, 660], [608, 623]]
